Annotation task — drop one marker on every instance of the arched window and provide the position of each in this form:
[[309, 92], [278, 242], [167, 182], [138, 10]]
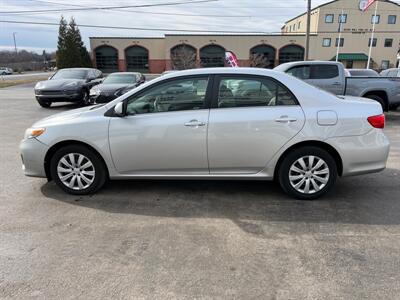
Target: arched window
[[183, 57], [107, 59], [291, 53], [262, 56], [212, 56], [137, 59]]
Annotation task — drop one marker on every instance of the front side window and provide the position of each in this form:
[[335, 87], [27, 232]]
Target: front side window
[[375, 19], [326, 42], [392, 19], [329, 18], [388, 43], [250, 92], [175, 95]]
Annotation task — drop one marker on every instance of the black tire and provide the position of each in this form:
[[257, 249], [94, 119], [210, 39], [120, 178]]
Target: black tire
[[85, 98], [100, 172], [45, 104], [293, 156], [378, 99]]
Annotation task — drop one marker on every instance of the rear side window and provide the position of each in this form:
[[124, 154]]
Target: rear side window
[[324, 71], [251, 92]]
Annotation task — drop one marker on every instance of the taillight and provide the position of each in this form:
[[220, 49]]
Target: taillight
[[377, 121]]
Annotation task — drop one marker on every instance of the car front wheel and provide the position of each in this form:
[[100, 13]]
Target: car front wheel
[[78, 170], [307, 173]]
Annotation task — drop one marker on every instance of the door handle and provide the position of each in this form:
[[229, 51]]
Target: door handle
[[194, 123], [336, 83], [285, 119]]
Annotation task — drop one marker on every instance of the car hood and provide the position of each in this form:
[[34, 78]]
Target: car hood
[[58, 83], [65, 116], [112, 87]]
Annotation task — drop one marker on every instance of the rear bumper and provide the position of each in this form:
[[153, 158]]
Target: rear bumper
[[362, 154], [33, 154]]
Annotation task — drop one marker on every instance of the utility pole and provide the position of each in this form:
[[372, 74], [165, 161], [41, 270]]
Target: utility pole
[[15, 43], [308, 29]]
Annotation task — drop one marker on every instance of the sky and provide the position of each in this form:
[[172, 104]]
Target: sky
[[222, 15]]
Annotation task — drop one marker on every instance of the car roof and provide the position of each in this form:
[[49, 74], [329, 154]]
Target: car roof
[[222, 70]]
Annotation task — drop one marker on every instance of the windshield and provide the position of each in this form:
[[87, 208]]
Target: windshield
[[70, 74], [121, 78]]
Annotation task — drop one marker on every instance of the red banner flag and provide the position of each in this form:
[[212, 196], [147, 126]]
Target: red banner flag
[[368, 4], [231, 59]]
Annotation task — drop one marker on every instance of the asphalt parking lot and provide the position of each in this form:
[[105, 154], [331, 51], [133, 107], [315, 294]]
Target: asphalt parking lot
[[195, 239]]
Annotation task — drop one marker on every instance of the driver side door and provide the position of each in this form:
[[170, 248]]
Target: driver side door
[[165, 130]]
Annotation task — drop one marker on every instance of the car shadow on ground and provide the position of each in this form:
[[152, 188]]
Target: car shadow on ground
[[354, 200]]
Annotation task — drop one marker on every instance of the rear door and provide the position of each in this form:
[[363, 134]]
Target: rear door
[[251, 118]]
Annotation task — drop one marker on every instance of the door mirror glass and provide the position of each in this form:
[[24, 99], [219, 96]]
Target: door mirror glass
[[119, 109]]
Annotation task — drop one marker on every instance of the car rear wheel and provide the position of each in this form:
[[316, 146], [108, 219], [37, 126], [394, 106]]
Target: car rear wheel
[[78, 170], [307, 173], [45, 104]]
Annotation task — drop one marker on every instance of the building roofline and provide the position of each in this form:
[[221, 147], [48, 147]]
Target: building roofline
[[330, 2]]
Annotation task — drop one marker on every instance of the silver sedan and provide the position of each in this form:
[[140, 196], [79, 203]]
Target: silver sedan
[[222, 123]]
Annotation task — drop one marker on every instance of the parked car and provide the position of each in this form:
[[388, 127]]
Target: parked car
[[67, 85], [6, 71], [115, 85], [363, 73], [395, 72], [236, 123], [331, 77]]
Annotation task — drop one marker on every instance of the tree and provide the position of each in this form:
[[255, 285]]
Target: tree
[[73, 52], [61, 45], [183, 57]]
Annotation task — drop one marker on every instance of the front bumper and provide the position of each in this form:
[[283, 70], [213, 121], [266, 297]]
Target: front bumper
[[33, 155], [59, 96], [362, 154]]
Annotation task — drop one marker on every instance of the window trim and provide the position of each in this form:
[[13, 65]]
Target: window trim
[[340, 18], [391, 42], [395, 19], [373, 42], [217, 80], [330, 42], [333, 18], [378, 19], [338, 42]]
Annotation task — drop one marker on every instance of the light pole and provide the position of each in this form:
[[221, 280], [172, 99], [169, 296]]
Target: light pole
[[308, 29], [15, 43]]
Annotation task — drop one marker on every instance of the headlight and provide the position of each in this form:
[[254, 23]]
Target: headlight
[[34, 132], [39, 85], [94, 92]]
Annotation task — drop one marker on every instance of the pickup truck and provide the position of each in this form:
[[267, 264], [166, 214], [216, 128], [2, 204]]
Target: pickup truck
[[331, 76]]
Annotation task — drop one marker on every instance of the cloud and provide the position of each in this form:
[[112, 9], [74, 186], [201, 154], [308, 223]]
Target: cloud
[[265, 16]]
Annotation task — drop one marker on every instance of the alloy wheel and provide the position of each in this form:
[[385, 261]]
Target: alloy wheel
[[309, 174], [76, 171]]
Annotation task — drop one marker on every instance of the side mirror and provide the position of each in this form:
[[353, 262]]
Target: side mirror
[[119, 109]]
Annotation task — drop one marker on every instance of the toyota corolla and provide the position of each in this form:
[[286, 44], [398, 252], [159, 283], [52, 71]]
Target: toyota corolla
[[222, 123]]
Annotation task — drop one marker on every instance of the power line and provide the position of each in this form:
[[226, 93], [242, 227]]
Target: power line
[[299, 33], [107, 7]]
